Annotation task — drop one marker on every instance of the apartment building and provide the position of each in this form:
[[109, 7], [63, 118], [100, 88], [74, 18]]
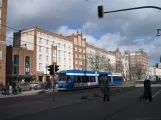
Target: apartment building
[[69, 52], [137, 60], [3, 17], [47, 47]]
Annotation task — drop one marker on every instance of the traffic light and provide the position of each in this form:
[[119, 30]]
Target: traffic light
[[100, 11], [56, 68], [51, 69]]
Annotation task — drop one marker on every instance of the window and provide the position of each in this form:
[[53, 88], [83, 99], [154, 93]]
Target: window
[[59, 52], [40, 40], [58, 45], [69, 61], [47, 58], [40, 48], [76, 62], [59, 59], [69, 47], [54, 58], [80, 62], [40, 56], [47, 50], [47, 42], [64, 46], [75, 55], [40, 66], [64, 54], [69, 67], [64, 60], [69, 54], [27, 65], [16, 64]]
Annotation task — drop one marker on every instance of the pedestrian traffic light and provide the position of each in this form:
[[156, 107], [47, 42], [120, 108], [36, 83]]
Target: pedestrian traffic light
[[100, 11], [56, 68], [51, 69]]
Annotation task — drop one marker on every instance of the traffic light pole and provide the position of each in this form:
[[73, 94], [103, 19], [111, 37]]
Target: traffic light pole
[[53, 81], [154, 7], [99, 11]]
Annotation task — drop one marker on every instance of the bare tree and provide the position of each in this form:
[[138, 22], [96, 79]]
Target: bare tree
[[99, 62]]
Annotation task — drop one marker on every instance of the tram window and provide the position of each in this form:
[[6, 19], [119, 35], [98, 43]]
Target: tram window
[[87, 78], [69, 78], [84, 80], [75, 79], [79, 79]]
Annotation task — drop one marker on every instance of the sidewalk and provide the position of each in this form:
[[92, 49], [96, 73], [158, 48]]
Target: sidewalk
[[26, 93]]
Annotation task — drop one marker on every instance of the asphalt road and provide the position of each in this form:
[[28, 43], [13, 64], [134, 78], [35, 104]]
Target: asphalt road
[[123, 106]]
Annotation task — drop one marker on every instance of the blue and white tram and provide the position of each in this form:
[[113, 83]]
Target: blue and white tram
[[116, 78], [76, 79], [112, 78]]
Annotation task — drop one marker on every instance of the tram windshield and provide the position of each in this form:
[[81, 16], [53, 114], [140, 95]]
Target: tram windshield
[[62, 77], [102, 78]]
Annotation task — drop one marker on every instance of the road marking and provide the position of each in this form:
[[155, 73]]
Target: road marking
[[156, 94]]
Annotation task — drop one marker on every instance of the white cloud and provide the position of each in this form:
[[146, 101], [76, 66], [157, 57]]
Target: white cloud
[[117, 30]]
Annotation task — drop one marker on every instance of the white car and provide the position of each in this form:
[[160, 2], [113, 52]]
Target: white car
[[25, 86]]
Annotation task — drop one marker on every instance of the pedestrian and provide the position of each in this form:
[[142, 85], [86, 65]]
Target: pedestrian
[[106, 90], [144, 96], [149, 91]]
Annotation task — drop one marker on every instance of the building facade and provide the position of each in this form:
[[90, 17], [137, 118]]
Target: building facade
[[19, 64], [69, 52], [3, 17], [100, 59], [48, 48], [79, 51], [138, 63]]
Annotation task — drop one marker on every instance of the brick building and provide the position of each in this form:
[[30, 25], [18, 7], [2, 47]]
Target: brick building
[[137, 61], [19, 64], [3, 17]]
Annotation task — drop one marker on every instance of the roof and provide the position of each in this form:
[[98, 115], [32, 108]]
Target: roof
[[77, 71]]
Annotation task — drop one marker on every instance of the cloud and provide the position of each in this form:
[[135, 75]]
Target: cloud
[[130, 30]]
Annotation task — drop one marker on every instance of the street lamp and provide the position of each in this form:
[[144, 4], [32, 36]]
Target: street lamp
[[158, 34]]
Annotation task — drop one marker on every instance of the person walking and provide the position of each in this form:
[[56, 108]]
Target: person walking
[[149, 91], [106, 90]]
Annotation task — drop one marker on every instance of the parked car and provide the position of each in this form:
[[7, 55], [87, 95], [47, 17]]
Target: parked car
[[24, 86], [36, 85]]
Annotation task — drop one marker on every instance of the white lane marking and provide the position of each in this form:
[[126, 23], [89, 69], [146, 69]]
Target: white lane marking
[[156, 94]]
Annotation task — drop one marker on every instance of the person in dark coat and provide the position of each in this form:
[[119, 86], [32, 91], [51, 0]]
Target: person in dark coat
[[149, 91], [106, 90], [144, 96]]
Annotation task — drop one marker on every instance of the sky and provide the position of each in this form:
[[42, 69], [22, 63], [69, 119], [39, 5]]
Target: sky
[[129, 30]]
